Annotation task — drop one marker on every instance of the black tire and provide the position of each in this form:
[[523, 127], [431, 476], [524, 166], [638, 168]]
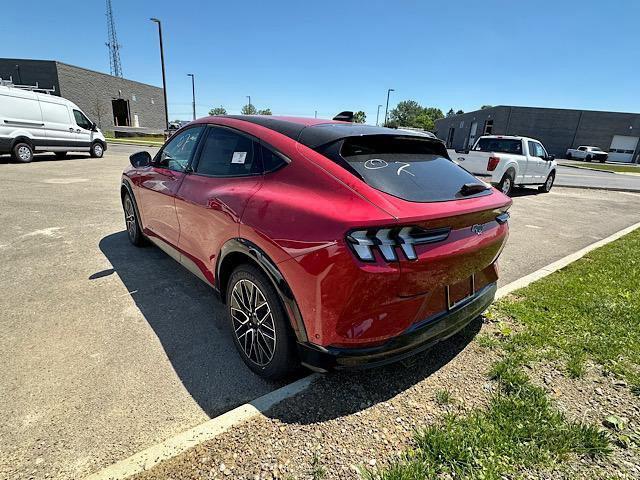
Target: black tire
[[569, 156], [132, 224], [22, 152], [97, 150], [546, 186], [269, 358], [587, 158], [61, 155], [602, 160], [506, 184]]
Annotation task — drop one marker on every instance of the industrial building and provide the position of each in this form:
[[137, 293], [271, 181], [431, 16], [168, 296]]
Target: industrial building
[[558, 129], [112, 102]]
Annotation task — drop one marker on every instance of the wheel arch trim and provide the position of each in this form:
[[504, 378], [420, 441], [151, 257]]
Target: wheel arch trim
[[258, 256]]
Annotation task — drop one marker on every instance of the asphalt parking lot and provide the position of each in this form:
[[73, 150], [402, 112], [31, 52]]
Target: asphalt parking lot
[[107, 349]]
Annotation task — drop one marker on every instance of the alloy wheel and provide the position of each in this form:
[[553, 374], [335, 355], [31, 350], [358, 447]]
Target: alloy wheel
[[97, 150], [253, 322], [506, 185], [549, 182], [130, 217]]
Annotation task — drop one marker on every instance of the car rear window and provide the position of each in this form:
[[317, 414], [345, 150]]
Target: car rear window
[[411, 168], [499, 145]]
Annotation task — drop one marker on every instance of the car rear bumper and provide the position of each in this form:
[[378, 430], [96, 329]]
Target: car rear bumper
[[417, 338]]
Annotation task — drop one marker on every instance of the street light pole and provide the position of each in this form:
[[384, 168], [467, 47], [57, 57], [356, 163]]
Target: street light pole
[[193, 92], [164, 80], [386, 110], [378, 115]]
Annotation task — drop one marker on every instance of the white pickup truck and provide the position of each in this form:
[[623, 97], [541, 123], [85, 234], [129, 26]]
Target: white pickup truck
[[508, 161], [588, 153]]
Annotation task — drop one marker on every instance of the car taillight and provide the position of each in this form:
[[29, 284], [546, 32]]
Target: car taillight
[[493, 163], [364, 242]]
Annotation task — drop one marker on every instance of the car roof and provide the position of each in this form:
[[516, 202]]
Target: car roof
[[314, 132]]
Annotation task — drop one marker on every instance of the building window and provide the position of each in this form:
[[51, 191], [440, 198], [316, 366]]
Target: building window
[[450, 135], [488, 127], [462, 124]]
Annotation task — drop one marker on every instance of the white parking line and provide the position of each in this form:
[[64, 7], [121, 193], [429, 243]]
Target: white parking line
[[177, 444]]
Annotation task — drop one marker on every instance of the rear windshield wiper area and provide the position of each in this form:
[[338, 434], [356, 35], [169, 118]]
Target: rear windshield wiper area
[[473, 188]]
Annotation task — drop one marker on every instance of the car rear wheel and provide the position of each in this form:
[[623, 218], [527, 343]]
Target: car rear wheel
[[506, 184], [259, 325], [546, 186], [97, 150], [23, 152], [134, 232], [61, 155]]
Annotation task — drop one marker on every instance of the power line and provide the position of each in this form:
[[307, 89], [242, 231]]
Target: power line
[[112, 44]]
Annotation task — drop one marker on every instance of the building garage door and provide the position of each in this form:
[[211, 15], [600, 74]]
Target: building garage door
[[622, 148]]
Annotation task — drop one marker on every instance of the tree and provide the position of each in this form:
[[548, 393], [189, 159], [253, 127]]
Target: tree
[[459, 112], [359, 117], [450, 113], [405, 113], [266, 111], [218, 111], [249, 109], [483, 107]]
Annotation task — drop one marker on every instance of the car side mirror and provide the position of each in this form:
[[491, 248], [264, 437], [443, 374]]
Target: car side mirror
[[94, 127], [551, 157], [140, 159]]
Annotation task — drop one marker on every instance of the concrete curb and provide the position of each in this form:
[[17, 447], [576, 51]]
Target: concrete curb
[[178, 444], [137, 143], [580, 167], [593, 187], [563, 262]]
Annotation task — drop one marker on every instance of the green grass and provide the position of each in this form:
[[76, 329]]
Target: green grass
[[610, 168], [443, 397], [589, 311], [520, 429]]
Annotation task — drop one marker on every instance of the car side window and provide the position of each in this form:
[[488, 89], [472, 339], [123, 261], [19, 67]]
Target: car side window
[[540, 151], [271, 160], [81, 120], [532, 149], [226, 153], [178, 151]]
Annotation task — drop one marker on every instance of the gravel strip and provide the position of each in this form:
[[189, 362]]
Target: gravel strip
[[346, 421]]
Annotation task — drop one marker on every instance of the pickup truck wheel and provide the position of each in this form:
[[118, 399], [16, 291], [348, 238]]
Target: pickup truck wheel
[[546, 186], [506, 184], [587, 158], [569, 156]]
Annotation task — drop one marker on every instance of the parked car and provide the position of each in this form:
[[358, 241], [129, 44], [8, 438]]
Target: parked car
[[332, 244], [38, 122], [510, 160], [587, 153]]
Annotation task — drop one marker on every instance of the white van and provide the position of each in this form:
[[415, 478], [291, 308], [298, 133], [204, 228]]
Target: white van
[[38, 122]]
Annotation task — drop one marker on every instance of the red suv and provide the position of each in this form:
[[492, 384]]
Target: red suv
[[334, 245]]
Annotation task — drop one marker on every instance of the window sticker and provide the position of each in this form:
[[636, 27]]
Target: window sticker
[[239, 157]]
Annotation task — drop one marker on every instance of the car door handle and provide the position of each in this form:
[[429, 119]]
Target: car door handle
[[71, 129], [78, 130], [214, 204]]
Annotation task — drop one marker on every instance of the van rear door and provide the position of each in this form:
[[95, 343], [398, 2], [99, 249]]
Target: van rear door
[[22, 115], [60, 132]]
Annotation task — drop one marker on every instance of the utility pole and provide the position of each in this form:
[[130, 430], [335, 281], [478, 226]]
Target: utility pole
[[315, 115], [193, 91], [386, 111], [164, 80], [378, 114], [249, 97]]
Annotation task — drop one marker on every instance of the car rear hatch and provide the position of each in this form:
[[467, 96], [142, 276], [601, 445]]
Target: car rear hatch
[[450, 227]]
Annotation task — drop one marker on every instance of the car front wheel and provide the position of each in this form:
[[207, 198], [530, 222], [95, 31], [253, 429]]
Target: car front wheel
[[259, 324], [546, 186], [134, 232], [23, 152], [97, 150]]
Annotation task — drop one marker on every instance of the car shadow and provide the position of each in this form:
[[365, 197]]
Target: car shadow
[[524, 192], [344, 393], [191, 324]]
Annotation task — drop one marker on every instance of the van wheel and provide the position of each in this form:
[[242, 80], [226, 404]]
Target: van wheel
[[97, 150], [23, 152], [61, 155], [506, 184], [546, 186], [259, 325]]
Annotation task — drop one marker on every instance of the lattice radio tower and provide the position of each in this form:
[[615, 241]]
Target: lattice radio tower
[[112, 44]]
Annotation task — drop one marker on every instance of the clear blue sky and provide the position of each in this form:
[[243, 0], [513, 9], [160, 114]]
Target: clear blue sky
[[300, 56]]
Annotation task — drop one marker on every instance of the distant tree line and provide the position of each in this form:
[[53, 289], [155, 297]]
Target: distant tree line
[[248, 109], [410, 113]]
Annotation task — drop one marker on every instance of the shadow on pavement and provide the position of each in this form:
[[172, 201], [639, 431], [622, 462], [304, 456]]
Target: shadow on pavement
[[192, 326], [48, 157], [344, 393], [190, 323]]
